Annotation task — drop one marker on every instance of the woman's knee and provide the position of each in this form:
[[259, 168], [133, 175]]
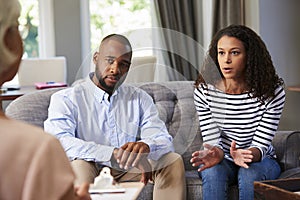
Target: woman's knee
[[215, 174], [259, 171]]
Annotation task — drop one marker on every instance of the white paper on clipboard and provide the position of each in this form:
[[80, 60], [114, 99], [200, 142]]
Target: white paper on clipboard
[[106, 190]]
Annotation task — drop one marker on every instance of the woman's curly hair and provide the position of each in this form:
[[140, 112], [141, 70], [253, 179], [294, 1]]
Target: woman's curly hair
[[261, 77]]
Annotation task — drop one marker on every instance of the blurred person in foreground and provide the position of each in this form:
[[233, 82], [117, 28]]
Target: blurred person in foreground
[[239, 99], [33, 164], [102, 122]]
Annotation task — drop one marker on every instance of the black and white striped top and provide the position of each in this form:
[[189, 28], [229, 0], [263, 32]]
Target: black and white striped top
[[227, 117]]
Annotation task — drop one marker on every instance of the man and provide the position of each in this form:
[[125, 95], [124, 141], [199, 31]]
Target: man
[[102, 122]]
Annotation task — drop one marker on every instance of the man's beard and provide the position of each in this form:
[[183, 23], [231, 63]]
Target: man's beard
[[107, 88]]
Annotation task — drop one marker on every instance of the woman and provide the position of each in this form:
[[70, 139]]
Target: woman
[[33, 164], [239, 99]]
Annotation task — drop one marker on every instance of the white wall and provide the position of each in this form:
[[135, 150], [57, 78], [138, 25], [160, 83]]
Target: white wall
[[68, 33]]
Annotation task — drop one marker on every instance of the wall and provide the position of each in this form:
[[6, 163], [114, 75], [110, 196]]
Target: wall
[[280, 29], [252, 14], [68, 34]]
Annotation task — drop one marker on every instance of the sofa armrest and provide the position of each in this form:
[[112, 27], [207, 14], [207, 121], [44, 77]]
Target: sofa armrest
[[287, 149], [31, 108]]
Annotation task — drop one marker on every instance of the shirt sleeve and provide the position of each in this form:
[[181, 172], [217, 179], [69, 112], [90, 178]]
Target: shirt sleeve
[[49, 174], [269, 123], [62, 123], [153, 130], [209, 129]]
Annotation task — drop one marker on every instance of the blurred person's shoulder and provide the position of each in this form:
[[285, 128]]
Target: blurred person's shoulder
[[23, 136]]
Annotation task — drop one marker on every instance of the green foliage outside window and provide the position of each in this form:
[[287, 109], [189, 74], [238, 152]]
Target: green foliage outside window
[[107, 16], [117, 16], [29, 22]]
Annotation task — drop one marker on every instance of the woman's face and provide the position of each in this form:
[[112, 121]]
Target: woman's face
[[232, 58]]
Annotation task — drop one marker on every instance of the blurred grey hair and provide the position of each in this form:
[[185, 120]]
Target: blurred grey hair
[[9, 14]]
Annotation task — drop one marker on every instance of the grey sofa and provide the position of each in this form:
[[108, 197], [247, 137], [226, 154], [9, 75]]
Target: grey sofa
[[174, 101]]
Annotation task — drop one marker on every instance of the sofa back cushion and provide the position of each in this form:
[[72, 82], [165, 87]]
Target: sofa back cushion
[[32, 107], [174, 101], [286, 144]]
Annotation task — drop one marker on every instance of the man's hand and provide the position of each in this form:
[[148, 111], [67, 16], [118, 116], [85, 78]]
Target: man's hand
[[146, 169], [134, 154], [208, 157], [240, 156]]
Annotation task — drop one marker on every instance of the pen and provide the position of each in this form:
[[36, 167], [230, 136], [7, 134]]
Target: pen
[[50, 82]]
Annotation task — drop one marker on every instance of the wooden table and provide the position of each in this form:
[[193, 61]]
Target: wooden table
[[286, 189], [13, 94]]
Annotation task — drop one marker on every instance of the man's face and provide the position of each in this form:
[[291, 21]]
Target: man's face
[[112, 63]]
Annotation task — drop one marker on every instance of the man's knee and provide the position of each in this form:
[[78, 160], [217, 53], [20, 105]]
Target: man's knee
[[85, 171], [169, 160], [177, 160], [171, 165], [171, 176]]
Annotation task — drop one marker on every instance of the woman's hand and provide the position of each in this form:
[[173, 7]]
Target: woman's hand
[[208, 157], [240, 156]]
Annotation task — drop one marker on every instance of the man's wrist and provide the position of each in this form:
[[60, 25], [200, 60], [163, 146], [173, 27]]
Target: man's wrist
[[114, 154], [113, 158]]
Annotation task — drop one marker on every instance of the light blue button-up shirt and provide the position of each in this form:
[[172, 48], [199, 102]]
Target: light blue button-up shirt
[[89, 125]]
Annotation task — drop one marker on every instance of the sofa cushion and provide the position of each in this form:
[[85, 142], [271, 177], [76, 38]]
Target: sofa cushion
[[174, 101], [287, 149], [32, 107], [291, 173]]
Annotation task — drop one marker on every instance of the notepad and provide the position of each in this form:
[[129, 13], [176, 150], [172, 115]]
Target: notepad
[[44, 85]]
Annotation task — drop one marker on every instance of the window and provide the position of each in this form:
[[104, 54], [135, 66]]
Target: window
[[29, 23], [124, 17]]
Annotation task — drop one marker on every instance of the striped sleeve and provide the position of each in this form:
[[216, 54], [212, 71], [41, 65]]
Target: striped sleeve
[[269, 122], [209, 129]]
